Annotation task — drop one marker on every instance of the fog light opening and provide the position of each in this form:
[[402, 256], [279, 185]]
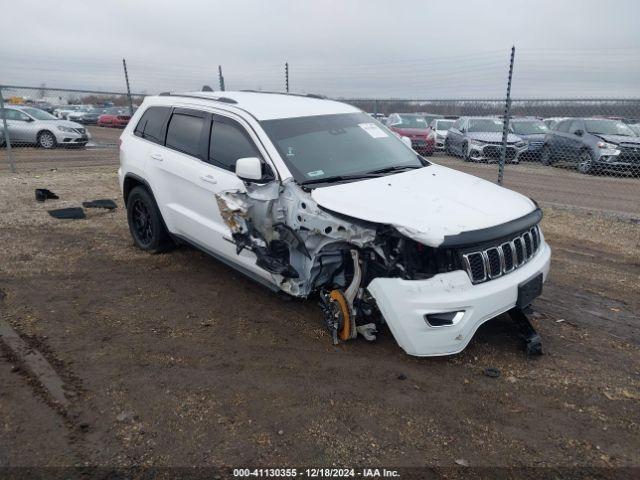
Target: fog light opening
[[443, 319]]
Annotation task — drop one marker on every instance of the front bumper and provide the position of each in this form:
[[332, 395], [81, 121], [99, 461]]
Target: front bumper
[[72, 138], [404, 304], [618, 161], [490, 152]]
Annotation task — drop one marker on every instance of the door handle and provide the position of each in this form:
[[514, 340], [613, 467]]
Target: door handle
[[208, 179], [157, 156]]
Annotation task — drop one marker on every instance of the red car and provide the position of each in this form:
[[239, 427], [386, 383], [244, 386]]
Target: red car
[[115, 117], [416, 128]]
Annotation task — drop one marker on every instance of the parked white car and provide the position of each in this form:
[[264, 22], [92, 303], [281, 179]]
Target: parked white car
[[311, 196], [63, 112], [78, 113], [439, 128]]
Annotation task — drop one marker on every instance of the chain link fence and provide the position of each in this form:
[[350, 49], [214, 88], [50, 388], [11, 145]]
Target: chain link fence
[[589, 136], [583, 137], [43, 126]]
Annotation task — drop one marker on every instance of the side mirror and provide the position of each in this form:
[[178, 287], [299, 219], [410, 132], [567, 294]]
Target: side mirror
[[28, 119], [579, 133], [406, 141], [249, 169]]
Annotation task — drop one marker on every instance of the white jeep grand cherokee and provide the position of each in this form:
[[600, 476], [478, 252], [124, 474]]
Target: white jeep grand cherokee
[[311, 196]]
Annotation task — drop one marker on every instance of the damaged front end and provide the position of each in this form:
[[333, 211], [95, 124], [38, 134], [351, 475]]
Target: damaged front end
[[365, 273]]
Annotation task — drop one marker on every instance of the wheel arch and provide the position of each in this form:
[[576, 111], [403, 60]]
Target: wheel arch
[[131, 181]]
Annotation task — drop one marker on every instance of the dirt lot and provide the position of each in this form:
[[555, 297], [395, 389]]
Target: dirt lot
[[177, 360]]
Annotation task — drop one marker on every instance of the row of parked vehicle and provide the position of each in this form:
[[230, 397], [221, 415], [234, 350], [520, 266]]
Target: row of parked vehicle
[[95, 115], [590, 144]]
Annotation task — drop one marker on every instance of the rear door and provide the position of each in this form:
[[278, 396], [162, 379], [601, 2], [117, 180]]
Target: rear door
[[173, 167], [19, 125], [575, 142]]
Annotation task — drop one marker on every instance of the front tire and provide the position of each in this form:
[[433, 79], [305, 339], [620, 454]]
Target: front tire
[[447, 147], [465, 152], [545, 156], [145, 222], [47, 140], [585, 162]]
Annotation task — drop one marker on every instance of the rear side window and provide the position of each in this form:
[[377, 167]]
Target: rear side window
[[229, 142], [184, 132], [151, 125]]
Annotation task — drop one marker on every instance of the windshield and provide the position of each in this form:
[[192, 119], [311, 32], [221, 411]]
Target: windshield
[[608, 127], [411, 121], [485, 125], [323, 146], [529, 128], [38, 114], [444, 124]]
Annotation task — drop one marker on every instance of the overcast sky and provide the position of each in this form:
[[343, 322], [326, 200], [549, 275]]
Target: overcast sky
[[348, 48]]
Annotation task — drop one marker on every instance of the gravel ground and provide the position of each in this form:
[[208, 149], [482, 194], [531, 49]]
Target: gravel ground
[[176, 360]]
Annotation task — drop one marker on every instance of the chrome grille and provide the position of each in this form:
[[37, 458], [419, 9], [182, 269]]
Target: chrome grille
[[495, 261]]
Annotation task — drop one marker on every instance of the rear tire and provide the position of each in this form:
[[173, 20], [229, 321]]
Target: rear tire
[[145, 222], [47, 140]]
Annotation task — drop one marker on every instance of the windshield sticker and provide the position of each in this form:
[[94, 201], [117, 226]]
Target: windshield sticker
[[373, 130], [315, 173]]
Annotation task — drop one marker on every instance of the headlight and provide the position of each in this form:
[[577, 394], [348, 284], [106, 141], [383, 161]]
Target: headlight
[[477, 143], [521, 144], [65, 129], [608, 146]]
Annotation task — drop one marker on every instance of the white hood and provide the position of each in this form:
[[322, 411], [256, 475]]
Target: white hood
[[426, 204]]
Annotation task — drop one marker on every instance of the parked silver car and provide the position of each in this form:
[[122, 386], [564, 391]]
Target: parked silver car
[[28, 125]]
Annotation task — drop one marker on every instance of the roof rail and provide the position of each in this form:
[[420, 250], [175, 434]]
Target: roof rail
[[202, 97], [307, 95]]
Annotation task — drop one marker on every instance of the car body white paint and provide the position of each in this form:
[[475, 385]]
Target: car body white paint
[[196, 200]]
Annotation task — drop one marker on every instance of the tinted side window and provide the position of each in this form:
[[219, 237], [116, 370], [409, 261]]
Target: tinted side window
[[15, 115], [151, 124], [576, 125], [184, 132], [563, 126], [229, 142]]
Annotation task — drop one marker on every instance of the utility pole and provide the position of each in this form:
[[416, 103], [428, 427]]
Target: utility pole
[[126, 77], [221, 78], [505, 120], [286, 76]]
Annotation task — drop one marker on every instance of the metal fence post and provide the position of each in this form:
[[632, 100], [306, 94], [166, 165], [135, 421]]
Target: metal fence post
[[505, 120], [286, 76], [221, 78], [126, 77], [5, 130]]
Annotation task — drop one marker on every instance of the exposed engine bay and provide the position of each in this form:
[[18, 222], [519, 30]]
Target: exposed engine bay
[[308, 249]]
